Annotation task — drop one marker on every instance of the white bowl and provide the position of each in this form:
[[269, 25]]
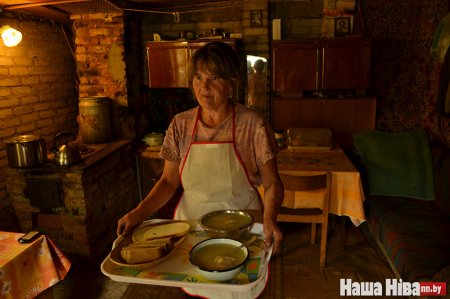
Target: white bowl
[[154, 139], [224, 274]]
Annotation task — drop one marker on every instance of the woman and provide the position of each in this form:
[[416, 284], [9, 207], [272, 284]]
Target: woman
[[257, 86], [219, 151]]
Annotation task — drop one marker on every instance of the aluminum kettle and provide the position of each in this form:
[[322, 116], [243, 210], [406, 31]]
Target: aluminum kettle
[[65, 154]]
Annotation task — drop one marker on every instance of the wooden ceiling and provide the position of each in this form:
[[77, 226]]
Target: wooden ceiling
[[60, 10]]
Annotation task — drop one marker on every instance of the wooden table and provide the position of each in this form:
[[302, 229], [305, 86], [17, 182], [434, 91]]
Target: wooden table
[[347, 194], [27, 270]]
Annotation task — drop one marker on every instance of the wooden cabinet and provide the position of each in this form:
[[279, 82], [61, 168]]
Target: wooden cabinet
[[344, 117], [320, 65], [167, 62], [295, 67]]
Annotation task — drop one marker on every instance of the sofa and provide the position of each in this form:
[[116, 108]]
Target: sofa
[[407, 184]]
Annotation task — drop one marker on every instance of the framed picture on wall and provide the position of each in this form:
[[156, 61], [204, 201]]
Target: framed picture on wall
[[255, 18], [342, 26]]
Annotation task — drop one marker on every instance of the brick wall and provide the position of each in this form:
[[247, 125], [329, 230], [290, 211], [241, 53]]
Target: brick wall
[[37, 91], [101, 68], [100, 55]]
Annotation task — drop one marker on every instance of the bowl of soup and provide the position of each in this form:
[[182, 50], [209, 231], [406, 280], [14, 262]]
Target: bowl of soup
[[219, 259], [226, 223]]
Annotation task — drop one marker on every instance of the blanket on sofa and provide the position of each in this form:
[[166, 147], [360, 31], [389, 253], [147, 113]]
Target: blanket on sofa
[[413, 233], [397, 164]]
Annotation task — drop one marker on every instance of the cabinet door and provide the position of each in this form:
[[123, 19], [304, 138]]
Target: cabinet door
[[167, 64], [294, 67], [345, 64]]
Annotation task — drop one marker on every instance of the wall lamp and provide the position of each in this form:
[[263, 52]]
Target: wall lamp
[[10, 36]]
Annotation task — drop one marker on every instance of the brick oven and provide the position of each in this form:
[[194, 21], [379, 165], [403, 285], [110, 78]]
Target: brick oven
[[78, 206]]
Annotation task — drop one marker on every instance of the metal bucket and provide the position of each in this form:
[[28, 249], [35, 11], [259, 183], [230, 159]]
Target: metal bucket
[[26, 151], [95, 120]]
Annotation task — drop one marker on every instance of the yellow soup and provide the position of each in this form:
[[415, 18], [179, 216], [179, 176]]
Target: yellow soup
[[218, 257], [226, 221]]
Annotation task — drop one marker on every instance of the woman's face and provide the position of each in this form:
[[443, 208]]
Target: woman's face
[[210, 90]]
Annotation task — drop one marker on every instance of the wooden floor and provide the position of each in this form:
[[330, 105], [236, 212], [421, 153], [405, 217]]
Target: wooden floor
[[294, 274]]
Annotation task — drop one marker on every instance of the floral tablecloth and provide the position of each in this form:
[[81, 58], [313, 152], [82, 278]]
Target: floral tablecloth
[[26, 270]]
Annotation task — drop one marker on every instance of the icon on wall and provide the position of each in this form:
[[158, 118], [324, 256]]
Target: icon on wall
[[255, 18], [342, 26]]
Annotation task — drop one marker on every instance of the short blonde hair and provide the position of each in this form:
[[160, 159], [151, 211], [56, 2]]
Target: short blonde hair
[[221, 59]]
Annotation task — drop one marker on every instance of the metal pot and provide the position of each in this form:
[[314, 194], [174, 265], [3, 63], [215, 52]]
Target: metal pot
[[65, 154], [26, 151], [95, 120]]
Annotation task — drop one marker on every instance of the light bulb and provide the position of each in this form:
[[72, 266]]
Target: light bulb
[[10, 36]]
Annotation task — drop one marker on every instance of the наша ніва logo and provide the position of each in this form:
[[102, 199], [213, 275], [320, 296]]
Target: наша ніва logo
[[391, 287]]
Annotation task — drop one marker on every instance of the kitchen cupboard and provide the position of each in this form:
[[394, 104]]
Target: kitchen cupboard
[[167, 61], [167, 64], [320, 65], [344, 117]]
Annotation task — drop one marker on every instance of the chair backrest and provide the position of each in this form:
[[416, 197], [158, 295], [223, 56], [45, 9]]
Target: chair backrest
[[306, 192], [296, 189]]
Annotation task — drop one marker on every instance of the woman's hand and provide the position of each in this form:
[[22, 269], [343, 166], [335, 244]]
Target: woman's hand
[[273, 236], [128, 222], [273, 196], [160, 194]]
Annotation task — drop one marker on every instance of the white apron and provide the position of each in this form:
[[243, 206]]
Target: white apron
[[213, 178]]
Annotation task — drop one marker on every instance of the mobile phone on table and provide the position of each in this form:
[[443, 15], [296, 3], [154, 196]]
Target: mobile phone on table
[[30, 236]]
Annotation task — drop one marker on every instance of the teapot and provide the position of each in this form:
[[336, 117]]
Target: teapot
[[65, 154]]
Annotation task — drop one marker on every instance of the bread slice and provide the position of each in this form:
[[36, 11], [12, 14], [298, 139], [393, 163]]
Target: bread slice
[[159, 231], [143, 252], [139, 255], [166, 242]]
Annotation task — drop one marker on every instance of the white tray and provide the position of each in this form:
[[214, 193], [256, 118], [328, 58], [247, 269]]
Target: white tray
[[176, 271]]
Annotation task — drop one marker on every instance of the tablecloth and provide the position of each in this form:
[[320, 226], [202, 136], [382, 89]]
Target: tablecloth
[[26, 270]]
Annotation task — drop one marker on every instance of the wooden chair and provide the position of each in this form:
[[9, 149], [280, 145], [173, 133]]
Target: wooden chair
[[317, 186]]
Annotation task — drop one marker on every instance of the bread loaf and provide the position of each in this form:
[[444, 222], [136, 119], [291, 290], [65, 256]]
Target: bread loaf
[[144, 252]]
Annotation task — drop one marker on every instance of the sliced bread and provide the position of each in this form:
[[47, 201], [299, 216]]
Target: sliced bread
[[162, 230], [138, 255], [143, 252]]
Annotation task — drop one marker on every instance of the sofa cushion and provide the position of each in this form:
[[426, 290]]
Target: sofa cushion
[[397, 164], [413, 233]]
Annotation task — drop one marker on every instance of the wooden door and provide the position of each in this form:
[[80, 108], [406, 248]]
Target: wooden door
[[167, 64]]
